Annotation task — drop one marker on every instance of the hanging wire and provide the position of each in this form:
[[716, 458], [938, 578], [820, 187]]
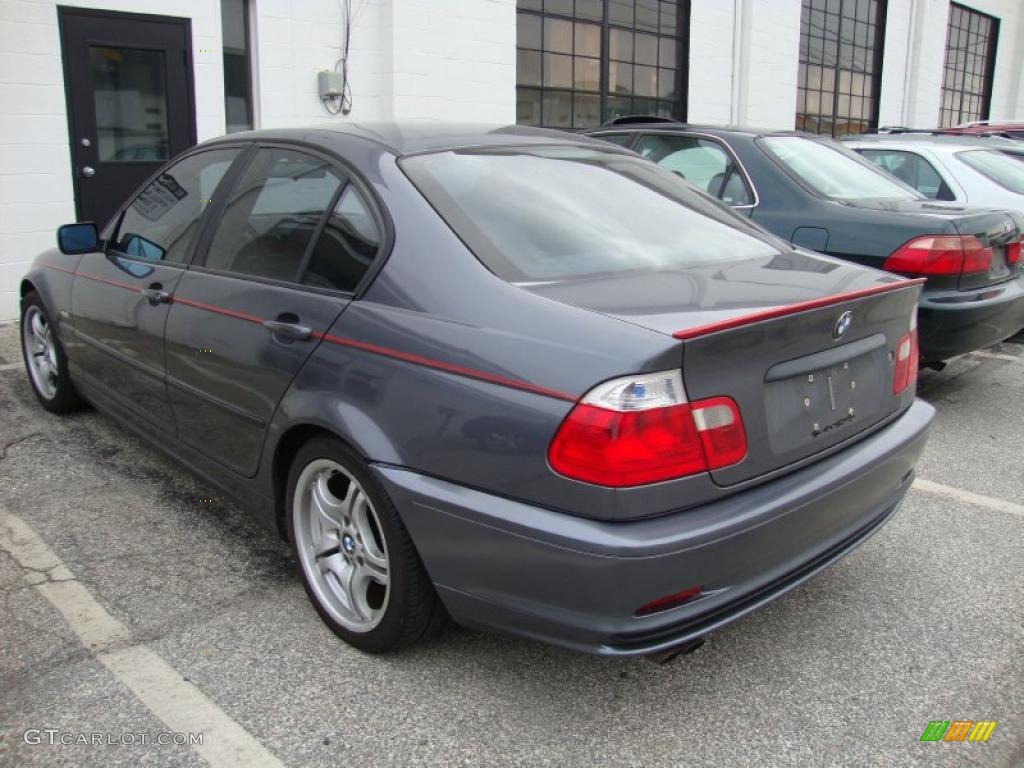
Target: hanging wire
[[342, 104]]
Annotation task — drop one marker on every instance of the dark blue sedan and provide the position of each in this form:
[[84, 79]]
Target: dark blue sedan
[[516, 377], [818, 194]]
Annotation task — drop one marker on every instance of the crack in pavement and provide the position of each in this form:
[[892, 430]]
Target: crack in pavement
[[11, 443]]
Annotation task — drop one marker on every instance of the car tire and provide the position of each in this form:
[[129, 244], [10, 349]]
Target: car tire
[[347, 537], [45, 361]]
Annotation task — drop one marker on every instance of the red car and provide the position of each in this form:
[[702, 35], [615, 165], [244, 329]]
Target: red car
[[989, 128]]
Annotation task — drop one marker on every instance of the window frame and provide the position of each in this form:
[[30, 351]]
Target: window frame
[[875, 46], [606, 25], [988, 75], [113, 230], [347, 175]]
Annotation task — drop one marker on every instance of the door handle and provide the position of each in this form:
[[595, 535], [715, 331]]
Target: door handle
[[288, 331], [156, 294], [88, 171]]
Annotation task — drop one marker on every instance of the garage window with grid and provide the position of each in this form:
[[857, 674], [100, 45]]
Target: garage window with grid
[[840, 65], [970, 59], [582, 62]]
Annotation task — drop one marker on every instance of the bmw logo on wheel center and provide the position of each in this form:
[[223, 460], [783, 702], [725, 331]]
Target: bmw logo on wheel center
[[842, 325]]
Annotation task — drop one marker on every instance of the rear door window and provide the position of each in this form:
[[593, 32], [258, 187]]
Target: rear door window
[[272, 215], [702, 162], [161, 222], [997, 167], [913, 170], [834, 171]]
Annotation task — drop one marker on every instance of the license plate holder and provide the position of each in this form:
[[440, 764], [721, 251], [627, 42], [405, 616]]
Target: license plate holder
[[823, 406]]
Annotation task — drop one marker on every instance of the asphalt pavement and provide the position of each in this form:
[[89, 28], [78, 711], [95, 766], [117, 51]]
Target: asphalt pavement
[[137, 607]]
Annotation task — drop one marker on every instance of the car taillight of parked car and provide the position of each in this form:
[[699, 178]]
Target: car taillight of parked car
[[1013, 253], [940, 255], [640, 429], [904, 372]]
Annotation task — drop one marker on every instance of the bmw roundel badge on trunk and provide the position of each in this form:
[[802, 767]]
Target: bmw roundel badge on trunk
[[842, 325]]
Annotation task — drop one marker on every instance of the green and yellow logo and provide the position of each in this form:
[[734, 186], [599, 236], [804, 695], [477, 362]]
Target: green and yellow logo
[[958, 730]]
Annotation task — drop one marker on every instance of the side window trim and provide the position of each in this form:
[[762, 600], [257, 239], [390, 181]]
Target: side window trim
[[205, 217], [737, 165]]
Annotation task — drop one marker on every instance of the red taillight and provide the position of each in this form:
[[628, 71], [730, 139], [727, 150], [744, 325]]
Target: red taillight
[[905, 371], [940, 255], [668, 601], [1013, 252], [721, 431], [624, 434], [619, 448]]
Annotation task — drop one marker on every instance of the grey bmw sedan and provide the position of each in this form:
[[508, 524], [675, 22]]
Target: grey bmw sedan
[[514, 377]]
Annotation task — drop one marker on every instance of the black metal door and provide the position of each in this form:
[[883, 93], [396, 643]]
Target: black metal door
[[128, 81]]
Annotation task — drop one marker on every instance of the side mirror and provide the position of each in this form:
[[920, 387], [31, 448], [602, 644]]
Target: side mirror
[[78, 238]]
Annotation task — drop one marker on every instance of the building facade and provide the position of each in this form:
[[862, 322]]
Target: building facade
[[94, 94]]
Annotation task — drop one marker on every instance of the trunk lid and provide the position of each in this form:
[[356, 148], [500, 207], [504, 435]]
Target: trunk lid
[[995, 229], [766, 332]]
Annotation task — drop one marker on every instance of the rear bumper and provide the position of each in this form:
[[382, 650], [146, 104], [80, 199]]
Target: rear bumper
[[574, 582], [954, 322]]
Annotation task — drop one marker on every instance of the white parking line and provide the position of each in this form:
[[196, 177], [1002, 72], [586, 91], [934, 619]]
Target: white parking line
[[11, 366], [968, 497], [179, 704]]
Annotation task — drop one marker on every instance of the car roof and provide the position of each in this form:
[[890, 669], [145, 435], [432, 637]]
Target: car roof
[[410, 137]]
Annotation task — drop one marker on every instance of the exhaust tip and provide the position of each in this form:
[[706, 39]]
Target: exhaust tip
[[664, 657]]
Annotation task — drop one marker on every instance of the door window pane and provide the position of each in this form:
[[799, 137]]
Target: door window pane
[[272, 214], [130, 96], [162, 221], [347, 245]]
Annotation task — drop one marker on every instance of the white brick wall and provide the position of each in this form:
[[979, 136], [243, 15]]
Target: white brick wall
[[912, 75], [35, 164]]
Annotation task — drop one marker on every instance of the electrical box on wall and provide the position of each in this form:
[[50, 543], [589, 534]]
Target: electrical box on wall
[[330, 84]]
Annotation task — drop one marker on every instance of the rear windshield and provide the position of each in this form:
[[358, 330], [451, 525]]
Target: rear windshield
[[833, 173], [556, 213], [998, 166]]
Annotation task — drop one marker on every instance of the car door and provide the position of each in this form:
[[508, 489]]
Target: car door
[[281, 262], [704, 162], [121, 295]]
